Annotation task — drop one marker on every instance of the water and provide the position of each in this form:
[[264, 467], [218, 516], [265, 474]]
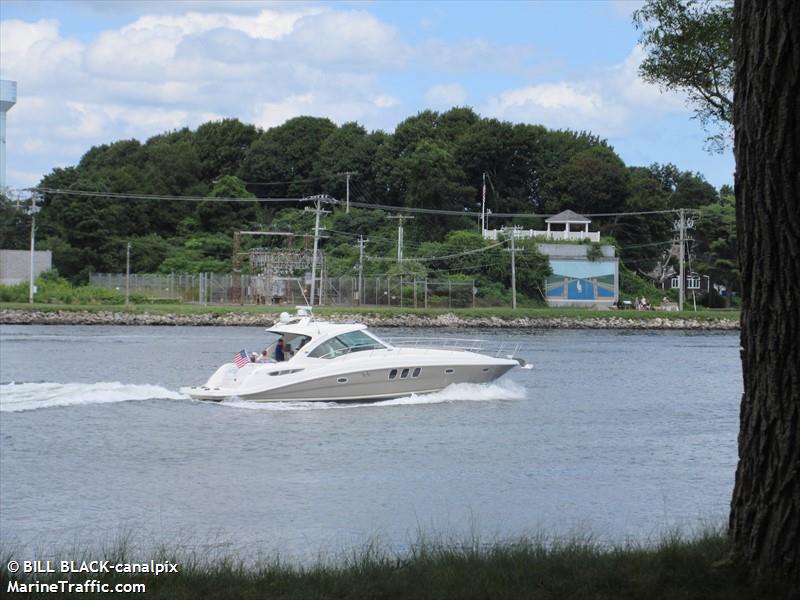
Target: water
[[616, 433]]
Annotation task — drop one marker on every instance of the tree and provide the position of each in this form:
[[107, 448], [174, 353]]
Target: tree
[[222, 145], [349, 149], [286, 153], [224, 216], [765, 510], [593, 181], [689, 48], [716, 247], [642, 238], [14, 225]]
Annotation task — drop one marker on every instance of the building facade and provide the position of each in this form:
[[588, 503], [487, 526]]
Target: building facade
[[15, 265]]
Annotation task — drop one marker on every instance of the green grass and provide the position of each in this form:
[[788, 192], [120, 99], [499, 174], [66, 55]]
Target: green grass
[[575, 569], [388, 312]]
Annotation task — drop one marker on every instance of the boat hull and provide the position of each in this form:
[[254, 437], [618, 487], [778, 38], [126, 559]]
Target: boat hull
[[359, 385]]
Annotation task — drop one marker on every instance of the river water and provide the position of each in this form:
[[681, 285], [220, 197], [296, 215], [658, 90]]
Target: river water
[[618, 434]]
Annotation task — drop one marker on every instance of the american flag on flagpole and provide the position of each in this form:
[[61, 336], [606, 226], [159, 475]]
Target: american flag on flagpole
[[240, 359]]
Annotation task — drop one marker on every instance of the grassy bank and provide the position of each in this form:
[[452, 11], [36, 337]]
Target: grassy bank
[[675, 568], [388, 312]]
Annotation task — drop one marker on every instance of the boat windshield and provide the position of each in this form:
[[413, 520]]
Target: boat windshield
[[353, 341], [292, 342]]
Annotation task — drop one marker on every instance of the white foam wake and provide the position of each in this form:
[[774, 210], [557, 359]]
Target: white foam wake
[[470, 392], [457, 392], [16, 397]]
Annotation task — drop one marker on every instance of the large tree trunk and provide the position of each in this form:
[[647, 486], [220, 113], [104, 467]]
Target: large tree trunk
[[765, 510]]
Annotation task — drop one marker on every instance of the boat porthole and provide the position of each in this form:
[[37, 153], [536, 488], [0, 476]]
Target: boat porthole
[[485, 369], [415, 372], [392, 373], [342, 380], [449, 371], [404, 374]]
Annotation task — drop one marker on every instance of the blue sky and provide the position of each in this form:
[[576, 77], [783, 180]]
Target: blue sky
[[94, 72]]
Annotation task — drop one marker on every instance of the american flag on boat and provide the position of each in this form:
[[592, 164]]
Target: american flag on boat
[[240, 359]]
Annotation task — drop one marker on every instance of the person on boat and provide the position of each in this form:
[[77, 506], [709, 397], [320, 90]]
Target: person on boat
[[279, 353], [254, 357], [264, 358]]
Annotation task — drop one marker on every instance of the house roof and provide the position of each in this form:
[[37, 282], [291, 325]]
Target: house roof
[[568, 216]]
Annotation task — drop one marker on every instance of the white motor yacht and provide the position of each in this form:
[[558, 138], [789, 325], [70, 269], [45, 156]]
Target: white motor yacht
[[335, 362]]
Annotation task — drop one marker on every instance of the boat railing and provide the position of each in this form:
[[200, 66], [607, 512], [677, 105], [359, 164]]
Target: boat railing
[[437, 343], [445, 343]]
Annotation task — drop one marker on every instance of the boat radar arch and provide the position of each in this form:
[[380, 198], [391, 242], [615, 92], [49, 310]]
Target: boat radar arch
[[304, 311]]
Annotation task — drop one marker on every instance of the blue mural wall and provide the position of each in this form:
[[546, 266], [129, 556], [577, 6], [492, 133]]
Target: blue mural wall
[[581, 280]]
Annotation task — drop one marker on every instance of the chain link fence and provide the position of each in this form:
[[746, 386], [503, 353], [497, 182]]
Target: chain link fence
[[220, 288]]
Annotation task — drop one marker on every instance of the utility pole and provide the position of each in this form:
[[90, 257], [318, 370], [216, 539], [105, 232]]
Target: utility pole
[[317, 211], [483, 206], [347, 174], [128, 274], [513, 251], [400, 219], [361, 243], [681, 259], [34, 209], [236, 284], [513, 270]]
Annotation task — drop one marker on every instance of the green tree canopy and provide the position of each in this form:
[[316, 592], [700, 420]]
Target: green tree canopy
[[689, 45]]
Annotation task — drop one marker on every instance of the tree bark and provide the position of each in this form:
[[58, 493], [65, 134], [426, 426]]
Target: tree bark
[[765, 510]]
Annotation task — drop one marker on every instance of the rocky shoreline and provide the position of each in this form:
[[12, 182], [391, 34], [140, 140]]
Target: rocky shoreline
[[24, 317]]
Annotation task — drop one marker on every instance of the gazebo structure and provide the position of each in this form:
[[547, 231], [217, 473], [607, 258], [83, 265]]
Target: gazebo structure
[[569, 218]]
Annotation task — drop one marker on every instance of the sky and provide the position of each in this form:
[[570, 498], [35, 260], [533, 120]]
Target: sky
[[93, 72]]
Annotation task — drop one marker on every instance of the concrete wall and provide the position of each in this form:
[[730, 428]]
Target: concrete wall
[[573, 250], [15, 265]]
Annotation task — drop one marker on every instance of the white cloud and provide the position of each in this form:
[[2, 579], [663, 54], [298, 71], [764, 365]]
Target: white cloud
[[94, 120], [626, 8], [270, 114], [385, 101], [446, 95], [267, 24], [471, 55], [638, 92], [355, 39], [605, 103], [173, 68], [35, 55], [559, 105], [182, 63]]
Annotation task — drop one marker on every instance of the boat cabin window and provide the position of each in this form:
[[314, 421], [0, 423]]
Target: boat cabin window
[[353, 341], [392, 373]]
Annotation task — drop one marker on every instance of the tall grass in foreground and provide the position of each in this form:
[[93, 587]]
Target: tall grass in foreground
[[576, 568]]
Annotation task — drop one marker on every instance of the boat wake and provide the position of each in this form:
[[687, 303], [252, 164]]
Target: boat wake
[[18, 397], [457, 392]]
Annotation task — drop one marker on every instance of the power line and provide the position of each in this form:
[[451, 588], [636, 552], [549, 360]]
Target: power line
[[125, 196], [282, 182], [444, 257], [385, 207]]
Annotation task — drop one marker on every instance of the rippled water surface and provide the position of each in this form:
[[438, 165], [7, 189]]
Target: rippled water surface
[[618, 433]]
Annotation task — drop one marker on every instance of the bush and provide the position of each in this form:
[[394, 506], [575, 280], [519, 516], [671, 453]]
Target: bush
[[52, 289], [631, 286], [14, 293]]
